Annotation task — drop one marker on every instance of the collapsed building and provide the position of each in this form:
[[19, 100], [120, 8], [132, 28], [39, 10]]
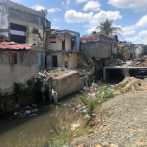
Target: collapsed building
[[102, 49]]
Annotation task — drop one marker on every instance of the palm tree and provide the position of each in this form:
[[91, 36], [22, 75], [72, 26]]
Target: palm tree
[[106, 28]]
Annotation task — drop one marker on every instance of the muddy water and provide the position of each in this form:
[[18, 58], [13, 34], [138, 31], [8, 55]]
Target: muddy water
[[12, 126]]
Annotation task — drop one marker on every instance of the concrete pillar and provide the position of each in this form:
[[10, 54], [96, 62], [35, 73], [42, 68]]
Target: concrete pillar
[[105, 74], [126, 73]]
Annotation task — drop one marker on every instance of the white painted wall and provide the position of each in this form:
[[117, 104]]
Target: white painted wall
[[53, 46], [67, 42]]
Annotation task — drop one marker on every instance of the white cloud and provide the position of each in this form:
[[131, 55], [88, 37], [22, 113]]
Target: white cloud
[[90, 30], [142, 22], [67, 3], [143, 34], [57, 20], [135, 40], [129, 32], [81, 1], [39, 8], [103, 15], [62, 3], [138, 5], [53, 10], [92, 6], [55, 27], [73, 16], [140, 39]]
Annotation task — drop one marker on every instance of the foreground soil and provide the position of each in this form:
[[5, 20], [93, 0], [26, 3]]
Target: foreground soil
[[124, 125]]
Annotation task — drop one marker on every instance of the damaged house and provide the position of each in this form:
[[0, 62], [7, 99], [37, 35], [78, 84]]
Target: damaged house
[[102, 49], [62, 48], [23, 25], [18, 63]]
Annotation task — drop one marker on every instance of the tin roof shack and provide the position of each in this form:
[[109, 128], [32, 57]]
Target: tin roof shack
[[62, 48], [18, 63], [21, 24], [102, 49]]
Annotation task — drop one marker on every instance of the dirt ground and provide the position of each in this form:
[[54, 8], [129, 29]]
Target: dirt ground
[[124, 125]]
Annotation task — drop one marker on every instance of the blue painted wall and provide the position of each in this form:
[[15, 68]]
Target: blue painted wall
[[78, 41], [39, 59]]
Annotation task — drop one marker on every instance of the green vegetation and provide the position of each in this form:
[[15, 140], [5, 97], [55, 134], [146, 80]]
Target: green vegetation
[[106, 28], [121, 51], [67, 130]]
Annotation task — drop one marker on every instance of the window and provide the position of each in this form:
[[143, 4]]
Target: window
[[52, 39], [12, 58]]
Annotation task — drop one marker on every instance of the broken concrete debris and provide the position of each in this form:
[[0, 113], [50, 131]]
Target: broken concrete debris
[[140, 62], [118, 62]]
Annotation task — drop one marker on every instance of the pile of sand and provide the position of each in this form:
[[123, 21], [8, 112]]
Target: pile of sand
[[132, 84]]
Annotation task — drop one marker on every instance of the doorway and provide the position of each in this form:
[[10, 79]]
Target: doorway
[[54, 61], [63, 45]]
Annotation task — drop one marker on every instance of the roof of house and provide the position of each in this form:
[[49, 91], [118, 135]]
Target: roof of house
[[95, 38], [14, 46], [90, 38], [121, 44]]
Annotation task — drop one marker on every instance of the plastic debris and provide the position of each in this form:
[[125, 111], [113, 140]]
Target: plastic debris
[[28, 111], [35, 110], [85, 111], [33, 114], [15, 113]]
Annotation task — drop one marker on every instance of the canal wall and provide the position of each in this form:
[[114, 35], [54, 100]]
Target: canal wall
[[68, 84]]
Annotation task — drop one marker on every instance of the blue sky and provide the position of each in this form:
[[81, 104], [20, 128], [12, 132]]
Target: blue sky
[[84, 15]]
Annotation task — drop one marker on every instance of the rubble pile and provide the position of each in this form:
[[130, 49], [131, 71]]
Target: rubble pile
[[140, 62], [117, 62], [132, 84], [56, 73]]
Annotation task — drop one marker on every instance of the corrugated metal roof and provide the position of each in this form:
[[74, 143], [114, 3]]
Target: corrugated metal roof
[[14, 46], [91, 38], [111, 36]]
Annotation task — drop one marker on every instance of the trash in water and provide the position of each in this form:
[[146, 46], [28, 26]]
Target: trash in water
[[84, 88], [35, 110], [28, 111], [33, 105], [33, 114], [15, 113]]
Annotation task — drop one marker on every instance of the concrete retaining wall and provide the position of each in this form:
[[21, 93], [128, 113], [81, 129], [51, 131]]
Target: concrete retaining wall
[[68, 84]]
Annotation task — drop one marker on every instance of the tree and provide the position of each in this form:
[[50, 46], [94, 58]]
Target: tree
[[106, 28], [121, 51]]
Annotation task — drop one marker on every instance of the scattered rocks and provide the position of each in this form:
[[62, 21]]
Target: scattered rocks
[[120, 129]]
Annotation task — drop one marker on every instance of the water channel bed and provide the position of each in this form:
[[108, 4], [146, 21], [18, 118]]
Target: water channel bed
[[12, 128]]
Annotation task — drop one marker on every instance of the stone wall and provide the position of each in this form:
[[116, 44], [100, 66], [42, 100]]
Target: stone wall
[[97, 49], [26, 67]]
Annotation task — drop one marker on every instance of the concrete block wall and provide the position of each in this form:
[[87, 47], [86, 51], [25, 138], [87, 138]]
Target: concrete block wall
[[26, 68]]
